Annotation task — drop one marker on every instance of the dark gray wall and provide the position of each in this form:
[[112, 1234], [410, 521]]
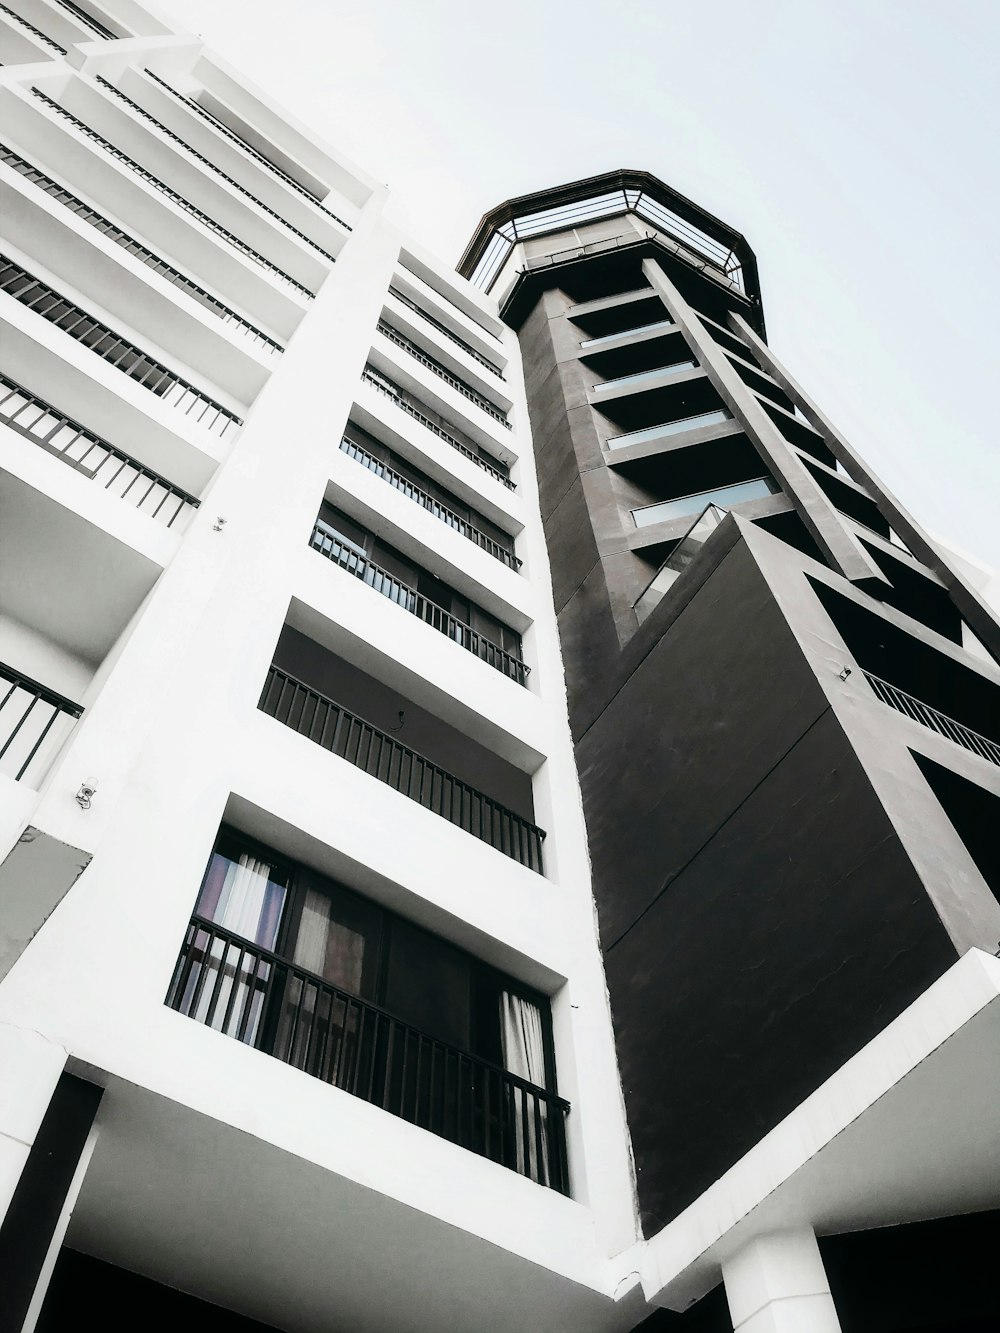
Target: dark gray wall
[[759, 917]]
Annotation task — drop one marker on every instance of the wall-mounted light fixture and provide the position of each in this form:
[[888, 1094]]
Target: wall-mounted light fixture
[[844, 673], [219, 524], [85, 795]]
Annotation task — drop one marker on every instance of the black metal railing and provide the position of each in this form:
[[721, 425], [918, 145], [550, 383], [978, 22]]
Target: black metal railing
[[29, 713], [87, 21], [328, 543], [85, 452], [448, 333], [36, 32], [326, 723], [418, 354], [113, 151], [390, 390], [267, 1002], [248, 148], [446, 515], [207, 161], [933, 719], [110, 229], [115, 349]]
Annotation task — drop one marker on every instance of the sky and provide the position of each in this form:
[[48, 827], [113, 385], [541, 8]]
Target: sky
[[853, 142]]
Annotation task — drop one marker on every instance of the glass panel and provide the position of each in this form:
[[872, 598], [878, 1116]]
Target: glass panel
[[691, 504], [674, 369], [678, 560], [641, 328], [669, 428], [428, 983], [245, 895]]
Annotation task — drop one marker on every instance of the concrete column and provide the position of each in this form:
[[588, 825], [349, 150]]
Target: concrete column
[[29, 1071], [51, 1173], [777, 1284]]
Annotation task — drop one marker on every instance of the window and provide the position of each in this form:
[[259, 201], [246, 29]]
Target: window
[[726, 496]]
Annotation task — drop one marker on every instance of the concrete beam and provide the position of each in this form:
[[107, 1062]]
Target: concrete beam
[[979, 616], [843, 550]]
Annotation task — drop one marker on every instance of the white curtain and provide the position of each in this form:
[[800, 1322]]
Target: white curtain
[[249, 905], [242, 899], [523, 1046]]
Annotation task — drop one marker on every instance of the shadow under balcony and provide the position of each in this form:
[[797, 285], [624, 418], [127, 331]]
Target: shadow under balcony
[[358, 718]]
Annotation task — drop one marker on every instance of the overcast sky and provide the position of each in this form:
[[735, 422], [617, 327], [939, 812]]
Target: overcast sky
[[854, 143]]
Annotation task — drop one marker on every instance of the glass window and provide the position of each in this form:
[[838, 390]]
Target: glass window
[[693, 504], [715, 418], [674, 368], [641, 328]]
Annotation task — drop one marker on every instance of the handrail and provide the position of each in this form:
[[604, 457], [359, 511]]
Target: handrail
[[933, 718], [152, 260], [87, 21], [240, 142], [448, 333], [435, 507], [330, 544], [141, 110], [38, 727], [408, 345], [88, 453], [266, 1001], [112, 347], [42, 37], [392, 391], [326, 723], [114, 151]]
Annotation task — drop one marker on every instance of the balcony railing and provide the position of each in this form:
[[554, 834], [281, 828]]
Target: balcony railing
[[213, 120], [418, 354], [110, 229], [85, 452], [30, 715], [933, 719], [401, 483], [113, 151], [35, 32], [328, 543], [325, 723], [264, 1001], [206, 161], [115, 349], [390, 390], [87, 21], [448, 333]]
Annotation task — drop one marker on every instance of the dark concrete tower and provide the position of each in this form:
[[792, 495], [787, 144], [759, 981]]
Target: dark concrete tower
[[784, 697]]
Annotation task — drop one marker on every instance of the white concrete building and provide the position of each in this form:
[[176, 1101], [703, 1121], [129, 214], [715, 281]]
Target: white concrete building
[[302, 1005]]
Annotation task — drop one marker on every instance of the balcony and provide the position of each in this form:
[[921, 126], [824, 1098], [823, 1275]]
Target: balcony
[[173, 195], [265, 1001], [192, 104], [34, 723], [448, 333], [96, 459], [230, 183], [138, 250], [326, 723], [442, 372], [932, 718], [399, 482], [123, 355], [391, 390], [650, 434], [350, 556]]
